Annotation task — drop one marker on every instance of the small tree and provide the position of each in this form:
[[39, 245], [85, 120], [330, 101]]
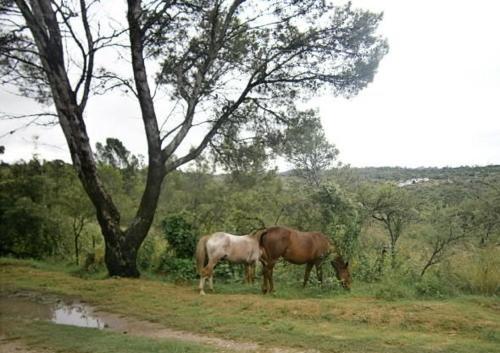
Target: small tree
[[393, 207], [76, 205], [449, 225]]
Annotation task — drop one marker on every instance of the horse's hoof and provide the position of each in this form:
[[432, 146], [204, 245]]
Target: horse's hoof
[[202, 293]]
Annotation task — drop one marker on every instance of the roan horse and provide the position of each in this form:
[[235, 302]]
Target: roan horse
[[241, 249], [310, 248]]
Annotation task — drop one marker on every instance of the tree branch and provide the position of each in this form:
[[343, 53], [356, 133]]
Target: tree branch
[[87, 72]]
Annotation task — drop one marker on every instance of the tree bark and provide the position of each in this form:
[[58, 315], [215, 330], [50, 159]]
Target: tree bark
[[120, 256]]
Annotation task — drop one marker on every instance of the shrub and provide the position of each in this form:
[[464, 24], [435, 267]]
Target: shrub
[[393, 287], [477, 272], [180, 235], [434, 285], [177, 269], [151, 252], [370, 267]]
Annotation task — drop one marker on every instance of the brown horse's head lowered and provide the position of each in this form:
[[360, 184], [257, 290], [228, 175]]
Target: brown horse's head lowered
[[342, 271]]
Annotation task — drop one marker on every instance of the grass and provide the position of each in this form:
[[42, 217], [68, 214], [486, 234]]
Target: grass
[[319, 319], [61, 338]]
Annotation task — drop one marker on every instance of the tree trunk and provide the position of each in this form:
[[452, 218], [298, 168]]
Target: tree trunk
[[393, 238], [120, 258], [393, 255]]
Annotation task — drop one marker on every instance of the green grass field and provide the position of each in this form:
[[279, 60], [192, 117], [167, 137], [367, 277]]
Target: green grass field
[[310, 319]]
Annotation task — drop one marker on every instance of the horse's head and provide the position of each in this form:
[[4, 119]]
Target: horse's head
[[342, 271]]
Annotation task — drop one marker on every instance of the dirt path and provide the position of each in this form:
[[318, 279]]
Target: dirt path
[[43, 307]]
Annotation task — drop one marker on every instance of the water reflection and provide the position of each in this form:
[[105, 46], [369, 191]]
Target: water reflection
[[75, 313]]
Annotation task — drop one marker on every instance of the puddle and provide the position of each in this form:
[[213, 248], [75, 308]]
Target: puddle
[[76, 315], [32, 306], [57, 311]]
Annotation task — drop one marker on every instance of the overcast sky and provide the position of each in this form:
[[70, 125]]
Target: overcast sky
[[435, 100]]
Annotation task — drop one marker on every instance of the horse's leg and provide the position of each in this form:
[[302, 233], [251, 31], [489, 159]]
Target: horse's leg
[[270, 279], [319, 272], [211, 282], [306, 274], [247, 274], [252, 272], [265, 278], [211, 274], [202, 283], [208, 272]]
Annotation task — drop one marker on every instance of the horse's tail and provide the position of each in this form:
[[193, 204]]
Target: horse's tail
[[201, 253], [259, 236]]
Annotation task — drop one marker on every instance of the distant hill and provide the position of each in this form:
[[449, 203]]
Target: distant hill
[[406, 176], [401, 174]]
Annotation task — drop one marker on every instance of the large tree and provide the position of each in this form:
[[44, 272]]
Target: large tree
[[231, 66]]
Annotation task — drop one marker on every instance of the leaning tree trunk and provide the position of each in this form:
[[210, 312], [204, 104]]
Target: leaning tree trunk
[[121, 245]]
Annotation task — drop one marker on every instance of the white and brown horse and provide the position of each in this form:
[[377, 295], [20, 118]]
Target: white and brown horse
[[239, 249]]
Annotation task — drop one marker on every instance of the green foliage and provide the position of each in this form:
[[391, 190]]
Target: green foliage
[[180, 235], [115, 154], [30, 225], [369, 267], [151, 252], [435, 285], [307, 148], [177, 269], [476, 272], [393, 207], [341, 219], [393, 287], [115, 157]]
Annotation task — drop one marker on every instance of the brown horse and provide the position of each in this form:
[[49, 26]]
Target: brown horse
[[310, 248]]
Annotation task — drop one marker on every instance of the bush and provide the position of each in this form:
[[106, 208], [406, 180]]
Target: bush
[[393, 287], [434, 285], [477, 272], [370, 268], [180, 235], [177, 269], [151, 252], [28, 230]]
